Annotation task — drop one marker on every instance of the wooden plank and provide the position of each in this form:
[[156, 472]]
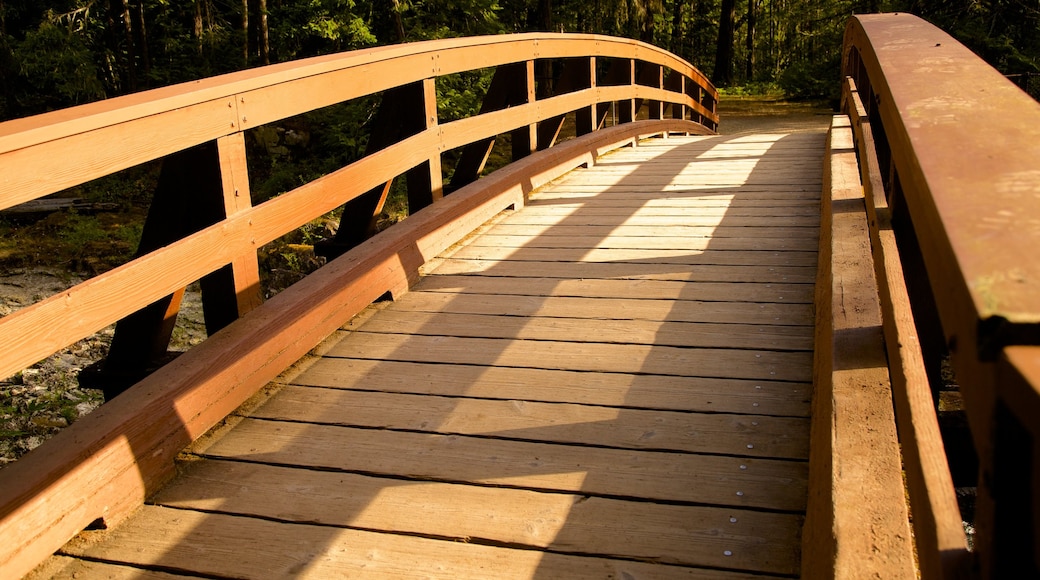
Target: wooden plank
[[747, 192], [555, 386], [620, 358], [558, 522], [939, 538], [689, 219], [593, 471], [715, 433], [608, 206], [608, 308], [735, 179], [583, 269], [638, 289], [667, 232], [648, 242], [593, 330], [66, 568], [474, 251], [854, 447], [220, 545]]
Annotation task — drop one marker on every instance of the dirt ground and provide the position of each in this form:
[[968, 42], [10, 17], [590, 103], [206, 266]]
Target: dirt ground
[[741, 115]]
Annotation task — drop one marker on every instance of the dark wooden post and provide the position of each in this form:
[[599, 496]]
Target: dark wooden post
[[657, 107], [196, 189], [575, 75], [629, 108], [401, 114], [425, 181], [525, 139], [585, 119], [512, 85]]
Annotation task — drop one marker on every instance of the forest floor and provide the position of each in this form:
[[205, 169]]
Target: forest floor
[[44, 398]]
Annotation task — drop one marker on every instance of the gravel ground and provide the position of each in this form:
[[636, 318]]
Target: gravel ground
[[44, 398]]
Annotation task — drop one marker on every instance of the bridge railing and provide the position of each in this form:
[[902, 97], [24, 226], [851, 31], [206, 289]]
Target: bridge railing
[[103, 466], [949, 152]]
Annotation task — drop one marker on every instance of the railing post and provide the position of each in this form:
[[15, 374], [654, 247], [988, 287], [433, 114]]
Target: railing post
[[676, 83], [402, 113], [525, 139], [425, 181], [196, 189], [657, 107], [513, 84], [628, 108], [244, 284], [585, 118]]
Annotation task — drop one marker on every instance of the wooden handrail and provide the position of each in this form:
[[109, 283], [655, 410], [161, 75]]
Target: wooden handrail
[[44, 154], [957, 147], [104, 465]]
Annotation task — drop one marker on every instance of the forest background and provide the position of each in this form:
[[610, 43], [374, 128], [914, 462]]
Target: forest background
[[58, 53]]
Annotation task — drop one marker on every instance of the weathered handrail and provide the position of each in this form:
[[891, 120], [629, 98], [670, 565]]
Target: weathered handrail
[[956, 156], [103, 466]]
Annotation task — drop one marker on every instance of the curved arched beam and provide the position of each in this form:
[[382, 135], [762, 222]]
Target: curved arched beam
[[959, 146]]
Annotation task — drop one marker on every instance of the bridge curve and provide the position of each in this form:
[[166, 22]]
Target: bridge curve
[[885, 186]]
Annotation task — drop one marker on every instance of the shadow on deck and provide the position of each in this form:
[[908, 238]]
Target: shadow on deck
[[613, 381]]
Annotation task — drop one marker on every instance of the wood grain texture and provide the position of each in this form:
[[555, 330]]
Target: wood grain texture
[[621, 473], [610, 389], [766, 313], [753, 436], [855, 447], [939, 536], [595, 329], [568, 523], [524, 418], [320, 552], [632, 289]]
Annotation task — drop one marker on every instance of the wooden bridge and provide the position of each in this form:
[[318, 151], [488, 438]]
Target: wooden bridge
[[649, 351]]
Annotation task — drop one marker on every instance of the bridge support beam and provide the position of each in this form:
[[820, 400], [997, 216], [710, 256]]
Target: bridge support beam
[[856, 520], [197, 188], [404, 111]]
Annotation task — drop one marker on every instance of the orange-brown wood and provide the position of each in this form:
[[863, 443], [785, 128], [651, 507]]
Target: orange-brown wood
[[854, 447], [105, 464], [942, 550]]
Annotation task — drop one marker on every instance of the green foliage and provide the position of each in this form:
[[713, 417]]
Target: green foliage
[[56, 66]]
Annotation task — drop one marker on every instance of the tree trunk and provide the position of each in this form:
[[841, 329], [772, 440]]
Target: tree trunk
[[245, 33], [677, 27], [749, 68], [543, 16], [723, 73], [264, 41], [398, 23], [128, 33], [142, 40], [198, 27]]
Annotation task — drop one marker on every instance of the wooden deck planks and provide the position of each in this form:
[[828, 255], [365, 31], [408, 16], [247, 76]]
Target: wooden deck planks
[[611, 383]]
